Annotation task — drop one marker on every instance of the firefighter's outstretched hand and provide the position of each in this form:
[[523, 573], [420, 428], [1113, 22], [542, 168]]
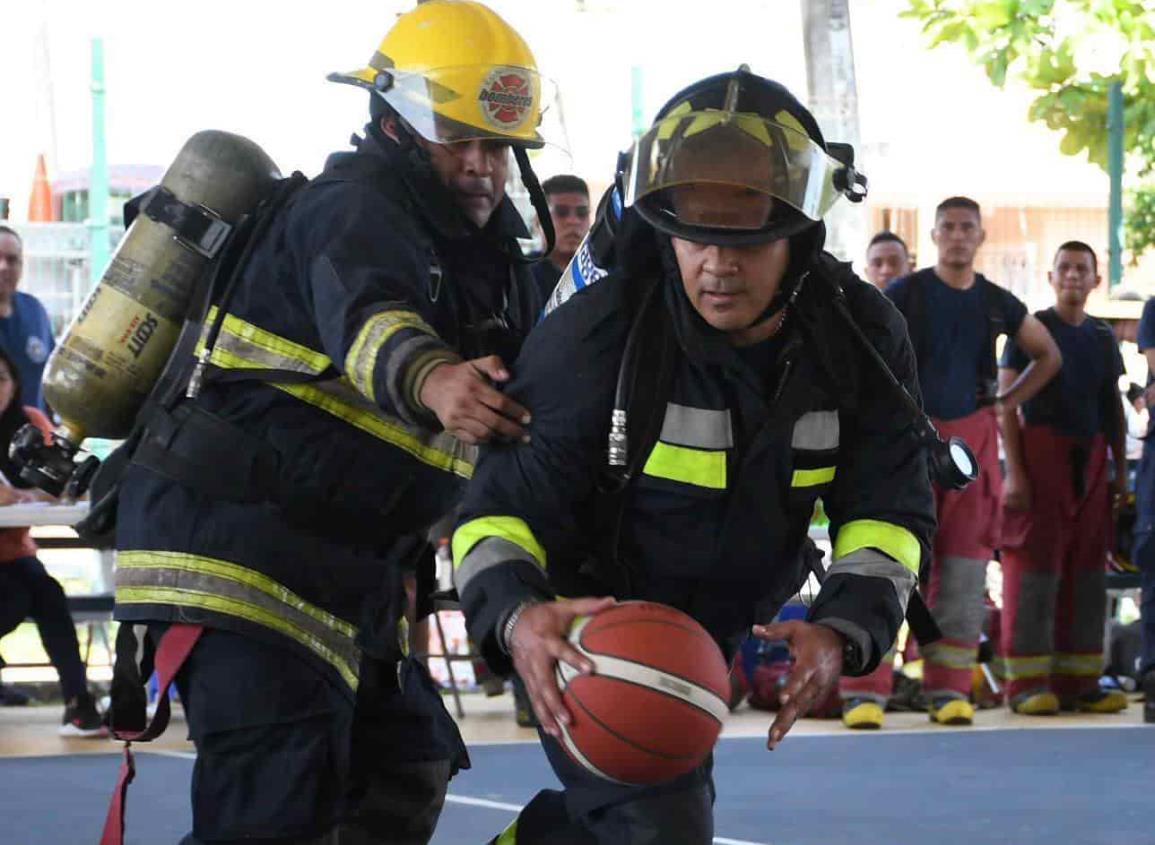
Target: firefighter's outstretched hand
[[538, 642], [817, 653], [468, 405]]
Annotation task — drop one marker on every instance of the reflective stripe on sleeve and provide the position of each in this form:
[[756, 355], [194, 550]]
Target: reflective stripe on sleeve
[[489, 541], [361, 362], [242, 345], [874, 564], [891, 539]]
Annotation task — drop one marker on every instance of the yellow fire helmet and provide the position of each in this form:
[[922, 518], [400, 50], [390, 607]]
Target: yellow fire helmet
[[455, 71]]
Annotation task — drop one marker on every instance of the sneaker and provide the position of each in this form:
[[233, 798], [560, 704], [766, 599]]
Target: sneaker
[[1040, 703], [862, 714], [951, 711], [82, 719], [12, 697], [1101, 701]]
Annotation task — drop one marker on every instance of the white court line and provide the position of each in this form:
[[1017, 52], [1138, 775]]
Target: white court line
[[466, 799], [514, 808]]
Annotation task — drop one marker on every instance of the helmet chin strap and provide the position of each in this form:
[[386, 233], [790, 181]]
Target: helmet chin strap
[[540, 204]]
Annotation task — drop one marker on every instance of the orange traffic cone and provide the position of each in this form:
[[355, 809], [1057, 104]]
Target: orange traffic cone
[[40, 203]]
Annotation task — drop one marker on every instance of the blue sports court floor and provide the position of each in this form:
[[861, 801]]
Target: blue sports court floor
[[1028, 787]]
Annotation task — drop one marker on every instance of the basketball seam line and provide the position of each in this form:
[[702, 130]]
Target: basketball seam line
[[626, 740], [703, 690]]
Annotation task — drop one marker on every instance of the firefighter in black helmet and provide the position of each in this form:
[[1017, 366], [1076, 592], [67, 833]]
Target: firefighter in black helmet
[[765, 407]]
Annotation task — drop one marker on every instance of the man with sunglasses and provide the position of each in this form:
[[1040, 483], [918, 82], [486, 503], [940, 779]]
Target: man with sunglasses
[[717, 363], [569, 208]]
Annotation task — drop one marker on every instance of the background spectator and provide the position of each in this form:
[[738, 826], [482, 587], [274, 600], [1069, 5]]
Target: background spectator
[[25, 330], [887, 258], [569, 208], [1057, 505], [26, 588]]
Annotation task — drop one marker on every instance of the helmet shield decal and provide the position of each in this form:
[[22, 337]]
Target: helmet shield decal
[[446, 105]]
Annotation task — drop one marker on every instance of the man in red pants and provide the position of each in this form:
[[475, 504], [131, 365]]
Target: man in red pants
[[1057, 502], [954, 315]]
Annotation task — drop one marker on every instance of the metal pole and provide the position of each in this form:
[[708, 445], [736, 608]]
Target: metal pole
[[1115, 170], [98, 224]]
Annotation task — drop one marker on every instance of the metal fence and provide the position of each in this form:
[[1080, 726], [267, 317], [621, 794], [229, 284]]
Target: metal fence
[[56, 259]]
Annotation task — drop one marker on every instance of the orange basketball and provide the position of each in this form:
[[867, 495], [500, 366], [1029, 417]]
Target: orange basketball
[[654, 705]]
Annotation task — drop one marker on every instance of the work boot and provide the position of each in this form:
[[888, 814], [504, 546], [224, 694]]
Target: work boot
[[1099, 701], [862, 714], [944, 710], [82, 719], [1037, 703]]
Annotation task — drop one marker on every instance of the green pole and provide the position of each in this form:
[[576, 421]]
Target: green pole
[[637, 106], [98, 248], [1115, 169]]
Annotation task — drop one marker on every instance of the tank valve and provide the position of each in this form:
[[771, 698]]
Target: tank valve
[[52, 466]]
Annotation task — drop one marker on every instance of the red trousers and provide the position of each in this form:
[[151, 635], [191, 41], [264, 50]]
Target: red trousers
[[968, 534], [1054, 558]]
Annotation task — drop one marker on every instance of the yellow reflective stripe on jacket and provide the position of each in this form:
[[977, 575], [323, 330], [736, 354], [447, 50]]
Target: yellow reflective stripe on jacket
[[689, 466], [337, 397], [361, 362], [508, 528], [812, 477], [187, 580], [241, 345], [888, 538], [509, 835]]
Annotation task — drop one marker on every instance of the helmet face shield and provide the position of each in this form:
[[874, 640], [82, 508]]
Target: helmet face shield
[[731, 171], [472, 102]]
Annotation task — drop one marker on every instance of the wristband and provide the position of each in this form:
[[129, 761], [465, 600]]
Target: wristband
[[505, 628]]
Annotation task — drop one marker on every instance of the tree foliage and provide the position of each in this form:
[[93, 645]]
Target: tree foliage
[[1069, 52]]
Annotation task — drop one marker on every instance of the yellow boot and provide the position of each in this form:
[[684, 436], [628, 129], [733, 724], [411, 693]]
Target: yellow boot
[[1044, 703], [1102, 701], [862, 714], [951, 711]]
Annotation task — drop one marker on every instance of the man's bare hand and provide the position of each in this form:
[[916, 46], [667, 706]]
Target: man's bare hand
[[538, 642], [817, 653], [1016, 492], [469, 406]]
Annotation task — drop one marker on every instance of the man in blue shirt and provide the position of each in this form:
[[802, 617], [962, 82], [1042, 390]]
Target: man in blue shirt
[[954, 315], [25, 330], [1058, 497], [1144, 551]]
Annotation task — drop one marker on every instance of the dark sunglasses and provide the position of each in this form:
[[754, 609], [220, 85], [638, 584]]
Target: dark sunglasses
[[564, 211]]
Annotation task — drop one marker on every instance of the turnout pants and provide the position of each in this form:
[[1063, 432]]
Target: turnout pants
[[593, 811], [1054, 558], [285, 757], [968, 534]]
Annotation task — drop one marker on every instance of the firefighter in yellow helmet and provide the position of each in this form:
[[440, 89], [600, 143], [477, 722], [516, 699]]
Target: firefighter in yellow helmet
[[342, 387]]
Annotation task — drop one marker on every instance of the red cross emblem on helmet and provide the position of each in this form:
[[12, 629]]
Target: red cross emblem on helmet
[[506, 98]]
